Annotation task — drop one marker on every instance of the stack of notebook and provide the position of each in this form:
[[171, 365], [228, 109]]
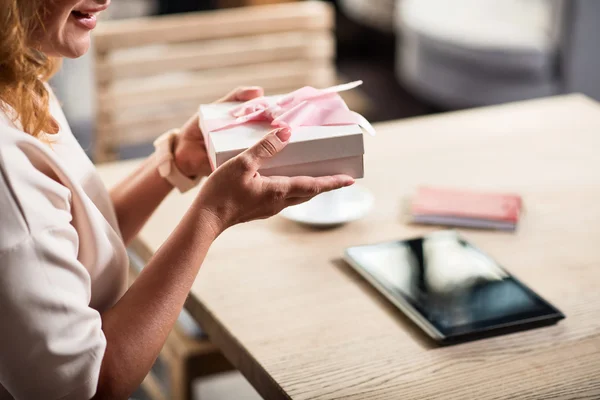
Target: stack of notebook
[[469, 209]]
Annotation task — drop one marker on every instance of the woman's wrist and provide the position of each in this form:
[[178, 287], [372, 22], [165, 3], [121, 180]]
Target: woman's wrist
[[210, 218]]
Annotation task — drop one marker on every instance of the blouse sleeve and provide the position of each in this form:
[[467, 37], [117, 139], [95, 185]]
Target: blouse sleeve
[[51, 341]]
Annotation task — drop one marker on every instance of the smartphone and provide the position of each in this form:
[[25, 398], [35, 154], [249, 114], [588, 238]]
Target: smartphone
[[448, 287]]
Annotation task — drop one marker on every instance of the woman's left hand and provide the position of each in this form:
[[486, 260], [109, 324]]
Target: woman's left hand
[[190, 152]]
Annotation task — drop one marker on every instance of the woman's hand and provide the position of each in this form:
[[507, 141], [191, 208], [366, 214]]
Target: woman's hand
[[237, 193], [190, 151]]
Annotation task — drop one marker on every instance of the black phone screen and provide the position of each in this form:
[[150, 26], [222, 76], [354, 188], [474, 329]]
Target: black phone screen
[[457, 288]]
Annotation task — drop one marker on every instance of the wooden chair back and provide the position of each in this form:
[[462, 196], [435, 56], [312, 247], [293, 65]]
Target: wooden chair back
[[152, 73]]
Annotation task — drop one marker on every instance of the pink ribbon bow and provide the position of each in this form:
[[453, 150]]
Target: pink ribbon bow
[[304, 107]]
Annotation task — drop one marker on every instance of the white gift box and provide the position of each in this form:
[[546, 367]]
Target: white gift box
[[312, 150]]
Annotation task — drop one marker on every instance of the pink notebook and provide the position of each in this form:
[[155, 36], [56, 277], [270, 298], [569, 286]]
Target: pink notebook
[[463, 208]]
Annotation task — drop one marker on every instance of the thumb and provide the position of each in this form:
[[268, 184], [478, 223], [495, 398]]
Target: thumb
[[267, 147]]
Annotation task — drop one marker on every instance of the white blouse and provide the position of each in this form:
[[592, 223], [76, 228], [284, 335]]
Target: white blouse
[[62, 263]]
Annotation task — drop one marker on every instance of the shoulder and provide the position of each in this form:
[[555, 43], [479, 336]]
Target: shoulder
[[31, 199]]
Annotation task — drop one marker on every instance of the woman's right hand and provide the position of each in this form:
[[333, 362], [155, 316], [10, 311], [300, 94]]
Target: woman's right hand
[[236, 192]]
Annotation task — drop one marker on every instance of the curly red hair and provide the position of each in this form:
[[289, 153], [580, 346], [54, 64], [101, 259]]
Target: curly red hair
[[23, 68]]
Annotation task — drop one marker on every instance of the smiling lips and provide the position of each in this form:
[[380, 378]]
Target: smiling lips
[[86, 20]]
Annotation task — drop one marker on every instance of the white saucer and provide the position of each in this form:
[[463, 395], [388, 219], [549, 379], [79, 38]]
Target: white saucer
[[333, 208]]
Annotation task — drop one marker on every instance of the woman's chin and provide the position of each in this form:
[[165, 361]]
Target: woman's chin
[[76, 48], [79, 50]]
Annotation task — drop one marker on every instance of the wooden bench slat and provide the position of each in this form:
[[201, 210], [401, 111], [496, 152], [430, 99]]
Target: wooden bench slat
[[304, 16], [212, 84], [160, 59]]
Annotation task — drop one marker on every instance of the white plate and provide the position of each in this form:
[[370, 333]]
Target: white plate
[[333, 208]]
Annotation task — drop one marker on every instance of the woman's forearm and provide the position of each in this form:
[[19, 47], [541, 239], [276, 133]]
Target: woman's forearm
[[137, 196], [136, 328]]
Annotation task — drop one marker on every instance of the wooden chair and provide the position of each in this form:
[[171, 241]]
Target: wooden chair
[[152, 73]]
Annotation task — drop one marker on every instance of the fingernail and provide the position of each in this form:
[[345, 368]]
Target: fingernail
[[283, 134], [348, 182], [254, 88]]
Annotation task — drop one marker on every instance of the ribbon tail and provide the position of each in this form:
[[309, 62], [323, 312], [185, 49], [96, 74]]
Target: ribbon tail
[[337, 117], [309, 93], [366, 125], [342, 88]]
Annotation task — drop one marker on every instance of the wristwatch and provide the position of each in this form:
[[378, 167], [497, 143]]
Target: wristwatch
[[164, 147]]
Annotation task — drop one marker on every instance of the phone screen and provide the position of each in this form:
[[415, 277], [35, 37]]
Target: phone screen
[[454, 286]]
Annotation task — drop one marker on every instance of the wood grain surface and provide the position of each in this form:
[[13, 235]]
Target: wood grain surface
[[217, 53], [299, 324], [303, 16], [197, 86]]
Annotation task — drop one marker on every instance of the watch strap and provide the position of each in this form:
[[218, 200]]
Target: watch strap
[[164, 147]]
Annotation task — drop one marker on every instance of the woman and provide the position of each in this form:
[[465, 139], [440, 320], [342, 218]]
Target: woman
[[69, 328]]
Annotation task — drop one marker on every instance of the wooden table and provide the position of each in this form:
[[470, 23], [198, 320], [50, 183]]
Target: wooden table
[[299, 324]]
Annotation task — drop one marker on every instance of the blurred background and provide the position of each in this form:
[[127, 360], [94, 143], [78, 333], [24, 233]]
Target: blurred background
[[154, 61], [416, 57]]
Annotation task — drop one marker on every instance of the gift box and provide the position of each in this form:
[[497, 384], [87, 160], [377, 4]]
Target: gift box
[[327, 137]]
